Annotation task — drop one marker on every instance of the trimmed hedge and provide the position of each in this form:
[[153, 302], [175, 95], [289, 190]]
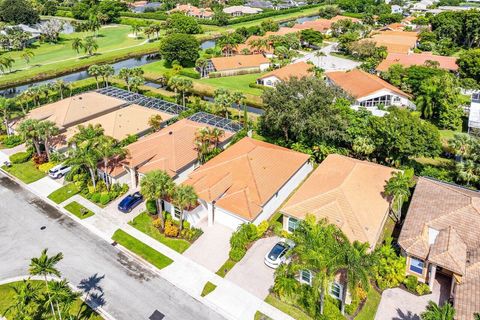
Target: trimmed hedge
[[190, 73], [159, 15], [11, 141], [20, 157], [269, 14]]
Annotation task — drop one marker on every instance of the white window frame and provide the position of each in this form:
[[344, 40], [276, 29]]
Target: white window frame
[[310, 276], [288, 224], [176, 211], [340, 290], [413, 259]]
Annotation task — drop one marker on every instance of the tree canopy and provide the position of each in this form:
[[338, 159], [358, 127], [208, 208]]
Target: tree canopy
[[180, 23], [18, 11], [180, 47]]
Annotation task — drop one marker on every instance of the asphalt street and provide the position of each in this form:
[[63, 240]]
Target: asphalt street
[[127, 290]]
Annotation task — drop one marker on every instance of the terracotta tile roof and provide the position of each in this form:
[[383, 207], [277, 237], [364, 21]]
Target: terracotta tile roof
[[338, 18], [410, 59], [123, 122], [170, 149], [239, 62], [395, 41], [73, 110], [394, 27], [281, 32], [359, 83], [299, 70], [349, 193], [320, 25], [454, 212], [192, 10], [244, 177]]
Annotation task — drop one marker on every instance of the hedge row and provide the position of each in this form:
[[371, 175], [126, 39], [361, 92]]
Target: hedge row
[[159, 15], [269, 14]]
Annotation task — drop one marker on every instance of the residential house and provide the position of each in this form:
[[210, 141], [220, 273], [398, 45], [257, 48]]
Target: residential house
[[298, 70], [237, 11], [396, 9], [192, 11], [395, 41], [323, 25], [368, 90], [268, 51], [474, 113], [142, 6], [246, 183], [417, 59], [348, 193], [440, 236], [172, 149], [393, 27], [234, 65]]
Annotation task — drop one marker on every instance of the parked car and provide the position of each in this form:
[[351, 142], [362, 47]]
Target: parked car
[[59, 171], [130, 202], [277, 255]]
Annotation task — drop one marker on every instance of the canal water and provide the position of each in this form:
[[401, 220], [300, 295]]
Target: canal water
[[300, 20]]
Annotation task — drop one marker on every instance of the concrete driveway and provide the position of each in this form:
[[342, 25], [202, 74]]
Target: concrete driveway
[[398, 304], [45, 186], [211, 249], [251, 273], [329, 62]]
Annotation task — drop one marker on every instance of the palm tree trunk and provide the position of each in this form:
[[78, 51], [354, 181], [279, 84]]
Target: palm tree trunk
[[58, 310], [181, 220], [49, 298], [183, 98], [37, 146], [47, 148], [92, 175], [160, 213], [96, 80], [344, 297], [322, 299], [107, 181]]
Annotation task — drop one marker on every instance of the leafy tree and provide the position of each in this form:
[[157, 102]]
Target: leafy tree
[[17, 12], [180, 23], [28, 129], [46, 266], [155, 121], [435, 312], [180, 47], [46, 130], [90, 45], [328, 12], [184, 197], [399, 188], [469, 64], [363, 146], [201, 64], [269, 25], [389, 271], [311, 37], [388, 18], [108, 148], [457, 28]]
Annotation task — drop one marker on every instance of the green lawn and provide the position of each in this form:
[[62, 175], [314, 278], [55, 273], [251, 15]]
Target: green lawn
[[64, 193], [136, 246], [208, 288], [52, 59], [370, 308], [225, 268], [79, 210], [261, 316], [288, 309], [143, 223], [235, 83], [27, 172], [7, 295]]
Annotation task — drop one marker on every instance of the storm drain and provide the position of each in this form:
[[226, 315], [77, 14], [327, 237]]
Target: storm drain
[[157, 315]]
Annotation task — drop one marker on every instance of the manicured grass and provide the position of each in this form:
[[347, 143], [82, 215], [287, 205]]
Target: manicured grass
[[156, 69], [225, 268], [261, 316], [143, 223], [235, 83], [7, 296], [27, 172], [436, 162], [288, 309], [64, 193], [79, 210], [371, 305], [208, 288], [136, 246]]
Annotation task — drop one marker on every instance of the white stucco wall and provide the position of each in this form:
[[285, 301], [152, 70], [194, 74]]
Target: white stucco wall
[[404, 101], [270, 81]]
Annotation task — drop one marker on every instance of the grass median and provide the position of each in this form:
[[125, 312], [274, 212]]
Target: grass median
[[64, 193], [27, 172], [79, 210], [136, 246]]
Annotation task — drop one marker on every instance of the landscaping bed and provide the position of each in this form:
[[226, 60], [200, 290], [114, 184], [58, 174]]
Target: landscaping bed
[[64, 193], [79, 210], [136, 246]]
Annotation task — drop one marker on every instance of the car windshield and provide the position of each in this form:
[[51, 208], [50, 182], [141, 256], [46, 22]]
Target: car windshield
[[53, 170], [276, 250]]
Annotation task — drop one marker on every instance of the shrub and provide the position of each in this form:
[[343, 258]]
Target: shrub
[[190, 73], [113, 195], [39, 159], [186, 224], [95, 197], [167, 215], [411, 282], [262, 228], [246, 233], [277, 227], [236, 254], [20, 157], [46, 166], [171, 230], [157, 223], [151, 206], [12, 141], [104, 198], [101, 186], [124, 188], [389, 272], [422, 289]]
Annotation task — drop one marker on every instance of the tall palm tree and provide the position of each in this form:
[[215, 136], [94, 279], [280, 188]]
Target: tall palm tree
[[61, 86], [223, 98], [77, 44], [85, 157], [238, 98], [61, 294], [106, 71], [398, 187], [46, 130], [90, 45], [125, 75], [28, 129], [27, 55], [462, 144], [136, 82], [201, 64], [46, 266], [135, 29], [7, 63], [95, 71], [24, 295], [5, 108], [184, 197], [435, 312], [86, 134], [107, 148], [467, 171], [156, 27], [157, 185], [180, 85]]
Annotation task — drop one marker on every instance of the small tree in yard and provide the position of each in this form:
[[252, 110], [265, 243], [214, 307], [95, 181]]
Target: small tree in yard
[[399, 187], [157, 185], [46, 130], [184, 197], [155, 121]]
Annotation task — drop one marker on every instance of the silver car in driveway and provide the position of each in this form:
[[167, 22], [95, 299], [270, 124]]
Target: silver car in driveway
[[277, 255], [59, 171]]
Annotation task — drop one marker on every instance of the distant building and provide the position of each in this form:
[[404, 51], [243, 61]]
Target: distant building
[[396, 9], [141, 6], [192, 11], [236, 11], [323, 25], [240, 64], [417, 59], [474, 113], [395, 41], [298, 70]]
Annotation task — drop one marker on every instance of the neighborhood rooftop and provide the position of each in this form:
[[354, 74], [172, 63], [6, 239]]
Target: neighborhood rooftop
[[416, 59], [239, 61], [298, 70]]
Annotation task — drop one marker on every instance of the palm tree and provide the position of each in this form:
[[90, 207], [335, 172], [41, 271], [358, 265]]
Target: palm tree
[[62, 294], [136, 82], [27, 55], [106, 71], [5, 107], [46, 130], [156, 27], [184, 197], [135, 29], [125, 75], [7, 63], [157, 185], [201, 64], [77, 44], [90, 45], [60, 86], [238, 98], [86, 134], [28, 129], [398, 187], [24, 295], [45, 266], [285, 284], [107, 148], [85, 157], [95, 71], [467, 171], [223, 99], [435, 312], [462, 144], [181, 85]]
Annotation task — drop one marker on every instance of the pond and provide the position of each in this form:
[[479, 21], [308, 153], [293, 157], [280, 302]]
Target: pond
[[300, 20], [207, 44]]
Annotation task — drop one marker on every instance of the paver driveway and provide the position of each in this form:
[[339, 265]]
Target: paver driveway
[[251, 273]]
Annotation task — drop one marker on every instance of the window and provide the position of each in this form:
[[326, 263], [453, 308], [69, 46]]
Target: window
[[336, 290], [177, 213], [306, 277], [292, 224], [416, 265]]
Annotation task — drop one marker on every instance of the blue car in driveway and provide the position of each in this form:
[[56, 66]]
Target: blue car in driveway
[[130, 202]]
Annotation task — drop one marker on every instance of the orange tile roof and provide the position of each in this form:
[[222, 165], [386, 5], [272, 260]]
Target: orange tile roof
[[338, 18], [239, 62], [320, 25], [170, 149], [417, 59], [394, 27], [281, 32], [74, 110], [359, 83], [192, 10], [395, 41], [299, 70], [347, 192], [244, 177]]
